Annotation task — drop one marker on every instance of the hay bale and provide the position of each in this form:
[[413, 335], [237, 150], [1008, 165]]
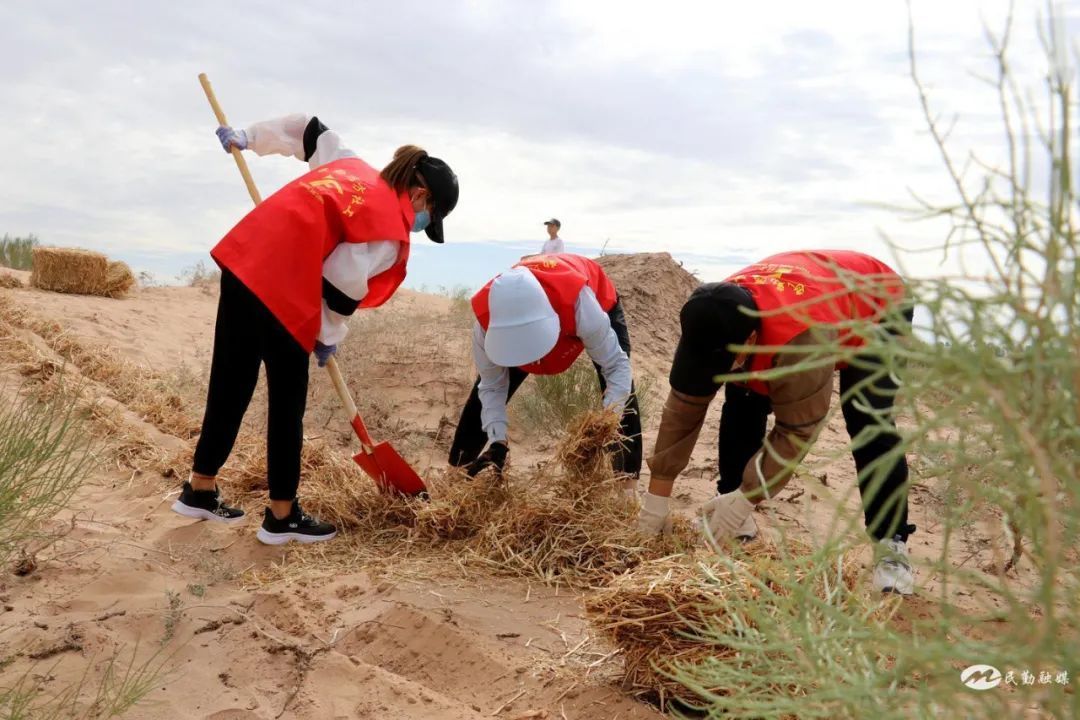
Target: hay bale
[[68, 270], [10, 281], [78, 271]]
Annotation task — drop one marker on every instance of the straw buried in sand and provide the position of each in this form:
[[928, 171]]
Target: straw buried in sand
[[83, 272]]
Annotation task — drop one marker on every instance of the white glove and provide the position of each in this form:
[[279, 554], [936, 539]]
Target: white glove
[[653, 516], [728, 516]]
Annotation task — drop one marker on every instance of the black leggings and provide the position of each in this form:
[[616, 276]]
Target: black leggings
[[247, 335], [470, 438], [869, 391]]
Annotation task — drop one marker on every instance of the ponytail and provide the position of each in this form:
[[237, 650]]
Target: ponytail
[[400, 173]]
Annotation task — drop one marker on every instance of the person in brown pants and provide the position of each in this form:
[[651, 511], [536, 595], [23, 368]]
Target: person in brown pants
[[799, 311]]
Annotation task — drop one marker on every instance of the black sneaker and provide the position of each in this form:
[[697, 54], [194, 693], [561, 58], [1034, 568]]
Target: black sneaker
[[206, 505], [298, 526]]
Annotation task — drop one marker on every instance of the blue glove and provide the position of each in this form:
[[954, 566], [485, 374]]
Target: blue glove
[[232, 138], [324, 352]]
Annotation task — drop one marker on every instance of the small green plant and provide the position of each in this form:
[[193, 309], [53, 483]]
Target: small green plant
[[18, 252], [200, 275], [44, 456], [174, 612], [647, 396], [547, 403], [461, 312], [124, 683]]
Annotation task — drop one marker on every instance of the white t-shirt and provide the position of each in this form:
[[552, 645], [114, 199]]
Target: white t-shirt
[[552, 246]]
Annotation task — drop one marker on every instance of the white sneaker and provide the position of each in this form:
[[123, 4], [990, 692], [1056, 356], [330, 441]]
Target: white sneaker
[[893, 573]]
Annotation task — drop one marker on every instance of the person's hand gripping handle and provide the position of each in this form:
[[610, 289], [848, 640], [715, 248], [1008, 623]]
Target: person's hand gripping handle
[[240, 162]]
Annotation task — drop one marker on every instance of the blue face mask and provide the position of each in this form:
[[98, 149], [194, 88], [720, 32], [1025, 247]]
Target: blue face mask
[[421, 221]]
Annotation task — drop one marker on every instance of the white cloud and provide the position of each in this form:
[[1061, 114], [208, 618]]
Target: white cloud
[[714, 130]]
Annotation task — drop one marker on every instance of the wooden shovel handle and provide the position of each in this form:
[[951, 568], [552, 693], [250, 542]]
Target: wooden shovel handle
[[350, 406], [237, 156]]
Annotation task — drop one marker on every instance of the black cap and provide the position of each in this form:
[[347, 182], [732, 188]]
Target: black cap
[[715, 316], [443, 184], [554, 222]]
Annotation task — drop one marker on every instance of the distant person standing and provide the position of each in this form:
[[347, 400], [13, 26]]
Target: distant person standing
[[554, 244]]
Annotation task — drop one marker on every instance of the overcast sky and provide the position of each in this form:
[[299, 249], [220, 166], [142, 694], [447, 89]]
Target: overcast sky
[[720, 132]]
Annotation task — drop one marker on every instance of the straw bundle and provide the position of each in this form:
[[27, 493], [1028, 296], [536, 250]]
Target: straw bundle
[[333, 488], [667, 614], [83, 272], [584, 451], [645, 613], [118, 280]]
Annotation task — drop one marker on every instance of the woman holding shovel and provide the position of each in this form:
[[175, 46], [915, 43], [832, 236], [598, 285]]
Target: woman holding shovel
[[292, 271]]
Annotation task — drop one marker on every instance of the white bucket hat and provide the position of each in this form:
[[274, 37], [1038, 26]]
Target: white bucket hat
[[523, 326]]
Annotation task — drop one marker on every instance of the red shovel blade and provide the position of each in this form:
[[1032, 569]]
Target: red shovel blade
[[389, 470], [385, 466]]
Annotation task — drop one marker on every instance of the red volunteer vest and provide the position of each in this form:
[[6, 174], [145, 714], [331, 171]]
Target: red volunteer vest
[[795, 291], [562, 276], [277, 250]]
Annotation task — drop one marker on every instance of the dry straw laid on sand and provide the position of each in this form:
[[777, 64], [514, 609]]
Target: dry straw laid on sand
[[659, 613], [82, 272], [569, 525]]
